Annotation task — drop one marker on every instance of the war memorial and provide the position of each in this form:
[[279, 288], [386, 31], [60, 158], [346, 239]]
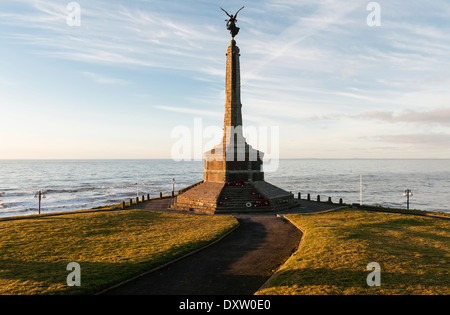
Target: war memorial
[[233, 174]]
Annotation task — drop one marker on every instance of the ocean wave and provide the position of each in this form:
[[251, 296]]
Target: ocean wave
[[340, 191], [71, 190], [17, 211], [90, 189], [3, 190], [57, 191], [121, 189], [18, 193]]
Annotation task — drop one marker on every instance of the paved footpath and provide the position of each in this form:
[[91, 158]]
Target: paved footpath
[[239, 264]]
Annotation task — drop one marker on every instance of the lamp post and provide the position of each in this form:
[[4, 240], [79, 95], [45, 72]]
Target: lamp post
[[360, 190], [173, 186], [39, 195], [407, 194]]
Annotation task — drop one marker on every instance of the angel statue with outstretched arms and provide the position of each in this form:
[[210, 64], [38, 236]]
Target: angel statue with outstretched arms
[[231, 23]]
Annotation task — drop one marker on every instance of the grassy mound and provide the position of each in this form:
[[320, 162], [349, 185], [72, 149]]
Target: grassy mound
[[110, 246], [412, 251]]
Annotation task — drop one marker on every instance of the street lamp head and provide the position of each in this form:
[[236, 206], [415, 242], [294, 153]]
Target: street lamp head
[[407, 192], [40, 193]]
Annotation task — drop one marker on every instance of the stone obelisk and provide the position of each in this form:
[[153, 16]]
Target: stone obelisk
[[233, 176], [233, 159]]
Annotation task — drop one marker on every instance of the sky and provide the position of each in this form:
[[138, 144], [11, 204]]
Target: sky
[[117, 84]]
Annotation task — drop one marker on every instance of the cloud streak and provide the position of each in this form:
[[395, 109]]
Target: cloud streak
[[427, 140], [439, 116], [101, 79], [111, 33]]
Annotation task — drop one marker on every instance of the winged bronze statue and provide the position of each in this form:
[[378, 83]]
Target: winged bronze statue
[[231, 23]]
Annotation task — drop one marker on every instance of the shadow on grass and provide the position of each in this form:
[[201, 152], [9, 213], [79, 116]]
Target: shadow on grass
[[51, 277], [414, 236], [341, 281]]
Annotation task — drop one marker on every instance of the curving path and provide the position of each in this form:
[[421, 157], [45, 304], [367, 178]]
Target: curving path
[[237, 265]]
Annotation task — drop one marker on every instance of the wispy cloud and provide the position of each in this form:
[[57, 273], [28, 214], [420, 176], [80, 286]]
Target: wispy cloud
[[105, 79], [439, 116], [198, 112], [209, 113], [327, 17], [111, 33], [432, 139]]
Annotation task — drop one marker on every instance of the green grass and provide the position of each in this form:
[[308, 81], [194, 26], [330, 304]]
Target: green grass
[[413, 252], [110, 246]]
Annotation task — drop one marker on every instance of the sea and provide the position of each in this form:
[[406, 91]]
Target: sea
[[69, 185]]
